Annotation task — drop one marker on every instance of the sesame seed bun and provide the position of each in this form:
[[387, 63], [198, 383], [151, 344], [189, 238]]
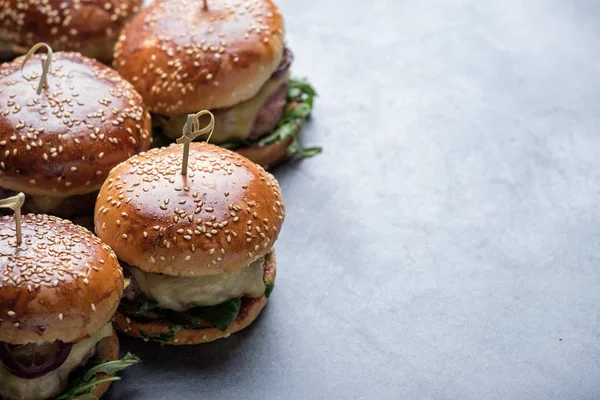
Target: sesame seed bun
[[61, 283], [182, 58], [107, 350], [64, 141], [90, 27], [249, 311], [224, 214]]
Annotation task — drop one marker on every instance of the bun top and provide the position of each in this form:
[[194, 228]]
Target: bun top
[[61, 283], [224, 214], [183, 58], [65, 140], [64, 25]]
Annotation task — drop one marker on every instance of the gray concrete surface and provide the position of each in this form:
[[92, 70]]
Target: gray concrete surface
[[446, 244]]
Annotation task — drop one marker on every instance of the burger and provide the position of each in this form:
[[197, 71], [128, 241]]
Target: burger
[[90, 27], [59, 289], [197, 249], [58, 147], [224, 56]]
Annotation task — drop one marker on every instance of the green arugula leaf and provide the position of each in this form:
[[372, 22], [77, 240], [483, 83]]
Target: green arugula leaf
[[300, 101], [83, 381], [303, 85], [85, 389], [163, 338], [287, 130], [300, 104], [112, 367], [294, 92], [294, 147], [269, 138], [269, 289], [310, 151], [221, 315], [302, 110], [148, 306]]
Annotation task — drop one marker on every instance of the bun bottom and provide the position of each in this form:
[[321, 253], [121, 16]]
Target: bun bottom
[[249, 311], [268, 155], [108, 349]]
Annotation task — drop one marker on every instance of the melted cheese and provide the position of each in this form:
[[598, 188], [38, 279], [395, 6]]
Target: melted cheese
[[53, 383], [180, 294], [232, 123]]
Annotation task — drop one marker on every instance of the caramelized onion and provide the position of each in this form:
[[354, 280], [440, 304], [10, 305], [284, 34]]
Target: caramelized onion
[[32, 360]]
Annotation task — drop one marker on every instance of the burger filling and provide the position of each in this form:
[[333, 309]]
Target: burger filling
[[276, 113], [53, 382], [211, 301], [248, 119], [181, 294]]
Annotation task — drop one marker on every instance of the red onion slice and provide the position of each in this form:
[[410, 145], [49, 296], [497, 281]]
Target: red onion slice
[[18, 369]]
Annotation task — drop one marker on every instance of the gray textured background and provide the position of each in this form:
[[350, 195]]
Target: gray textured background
[[449, 236]]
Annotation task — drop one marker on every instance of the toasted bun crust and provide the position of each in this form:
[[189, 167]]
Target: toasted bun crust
[[108, 350], [90, 27], [182, 58], [224, 214], [61, 283], [249, 311], [66, 140]]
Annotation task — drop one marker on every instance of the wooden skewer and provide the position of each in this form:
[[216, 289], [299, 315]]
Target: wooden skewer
[[15, 203], [45, 64], [191, 130]]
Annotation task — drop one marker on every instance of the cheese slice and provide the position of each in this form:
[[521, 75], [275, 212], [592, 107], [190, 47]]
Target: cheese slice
[[233, 123], [181, 294], [55, 382]]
